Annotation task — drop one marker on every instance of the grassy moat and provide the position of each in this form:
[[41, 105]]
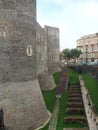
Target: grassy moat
[[49, 96]]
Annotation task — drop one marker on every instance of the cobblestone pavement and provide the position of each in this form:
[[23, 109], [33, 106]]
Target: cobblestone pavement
[[53, 121]]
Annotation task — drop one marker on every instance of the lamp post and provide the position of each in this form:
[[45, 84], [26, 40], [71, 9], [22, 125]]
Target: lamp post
[[86, 53]]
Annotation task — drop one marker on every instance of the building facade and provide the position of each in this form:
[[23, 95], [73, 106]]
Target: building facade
[[89, 46]]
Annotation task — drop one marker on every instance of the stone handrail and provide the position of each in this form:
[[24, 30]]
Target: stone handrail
[[91, 114]]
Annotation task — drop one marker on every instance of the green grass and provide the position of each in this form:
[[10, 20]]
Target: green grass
[[50, 97], [77, 125], [56, 77], [92, 85], [46, 127], [61, 115], [73, 76], [90, 82]]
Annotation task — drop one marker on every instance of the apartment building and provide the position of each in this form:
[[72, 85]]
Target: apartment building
[[88, 44]]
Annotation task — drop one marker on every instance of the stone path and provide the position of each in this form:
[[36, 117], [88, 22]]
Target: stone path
[[53, 121]]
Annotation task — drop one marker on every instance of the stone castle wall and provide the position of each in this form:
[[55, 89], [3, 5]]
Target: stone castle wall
[[23, 105], [53, 48], [45, 78], [23, 62], [20, 94], [41, 47], [16, 38], [26, 7]]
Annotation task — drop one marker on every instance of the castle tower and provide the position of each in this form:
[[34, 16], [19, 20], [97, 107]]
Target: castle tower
[[20, 94], [45, 78], [53, 48]]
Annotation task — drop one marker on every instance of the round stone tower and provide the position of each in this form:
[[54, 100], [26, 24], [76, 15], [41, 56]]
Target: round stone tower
[[45, 78], [20, 94], [53, 48]]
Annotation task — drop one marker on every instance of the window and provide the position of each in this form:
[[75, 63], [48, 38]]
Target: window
[[29, 50]]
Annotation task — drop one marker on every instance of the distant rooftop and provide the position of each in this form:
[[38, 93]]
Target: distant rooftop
[[88, 36]]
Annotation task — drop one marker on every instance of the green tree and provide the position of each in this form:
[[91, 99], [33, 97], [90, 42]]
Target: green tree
[[75, 54], [67, 54]]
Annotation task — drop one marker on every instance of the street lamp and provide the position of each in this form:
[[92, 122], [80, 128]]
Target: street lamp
[[86, 53]]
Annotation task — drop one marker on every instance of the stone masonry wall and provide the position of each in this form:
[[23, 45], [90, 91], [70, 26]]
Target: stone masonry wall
[[41, 47], [25, 52], [23, 105], [53, 48], [17, 38], [26, 7], [20, 94], [45, 78]]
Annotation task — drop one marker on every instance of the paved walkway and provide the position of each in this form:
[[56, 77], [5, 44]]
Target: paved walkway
[[53, 121]]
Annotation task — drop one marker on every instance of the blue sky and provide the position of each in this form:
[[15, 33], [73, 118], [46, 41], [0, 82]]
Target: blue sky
[[74, 18]]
